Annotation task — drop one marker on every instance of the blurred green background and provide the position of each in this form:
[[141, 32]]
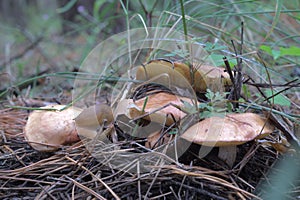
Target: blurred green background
[[49, 36], [46, 36], [69, 29]]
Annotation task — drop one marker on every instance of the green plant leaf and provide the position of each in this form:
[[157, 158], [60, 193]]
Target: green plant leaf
[[188, 107], [266, 48], [96, 8], [291, 51], [246, 91], [213, 47], [218, 60], [279, 99], [67, 7], [276, 54], [173, 131]]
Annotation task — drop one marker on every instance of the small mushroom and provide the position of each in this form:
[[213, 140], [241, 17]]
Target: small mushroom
[[228, 132], [95, 115], [47, 130], [215, 77], [92, 118]]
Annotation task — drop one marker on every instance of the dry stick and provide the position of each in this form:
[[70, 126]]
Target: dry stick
[[3, 137], [235, 184], [277, 93], [161, 195], [258, 88], [48, 190], [245, 182], [153, 180], [228, 69], [25, 179], [73, 192], [32, 166], [86, 189], [214, 179], [19, 188], [188, 184], [14, 154], [61, 181], [246, 158], [148, 14], [236, 93], [54, 170], [287, 132], [174, 193], [44, 190], [294, 140], [181, 185], [201, 191], [92, 174], [139, 180], [265, 85], [269, 78], [199, 169]]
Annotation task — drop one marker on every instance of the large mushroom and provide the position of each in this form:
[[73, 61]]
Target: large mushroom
[[228, 132], [46, 130]]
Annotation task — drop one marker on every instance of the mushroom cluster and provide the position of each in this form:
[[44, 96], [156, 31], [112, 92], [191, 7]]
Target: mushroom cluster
[[48, 130], [224, 132]]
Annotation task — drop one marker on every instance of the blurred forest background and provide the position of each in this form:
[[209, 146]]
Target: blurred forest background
[[43, 37], [39, 37], [36, 35]]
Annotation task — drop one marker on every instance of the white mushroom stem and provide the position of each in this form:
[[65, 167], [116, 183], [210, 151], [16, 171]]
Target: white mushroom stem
[[227, 154]]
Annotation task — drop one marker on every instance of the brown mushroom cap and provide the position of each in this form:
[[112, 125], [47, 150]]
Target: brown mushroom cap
[[46, 130], [179, 74], [199, 77], [153, 105], [94, 116], [233, 129]]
